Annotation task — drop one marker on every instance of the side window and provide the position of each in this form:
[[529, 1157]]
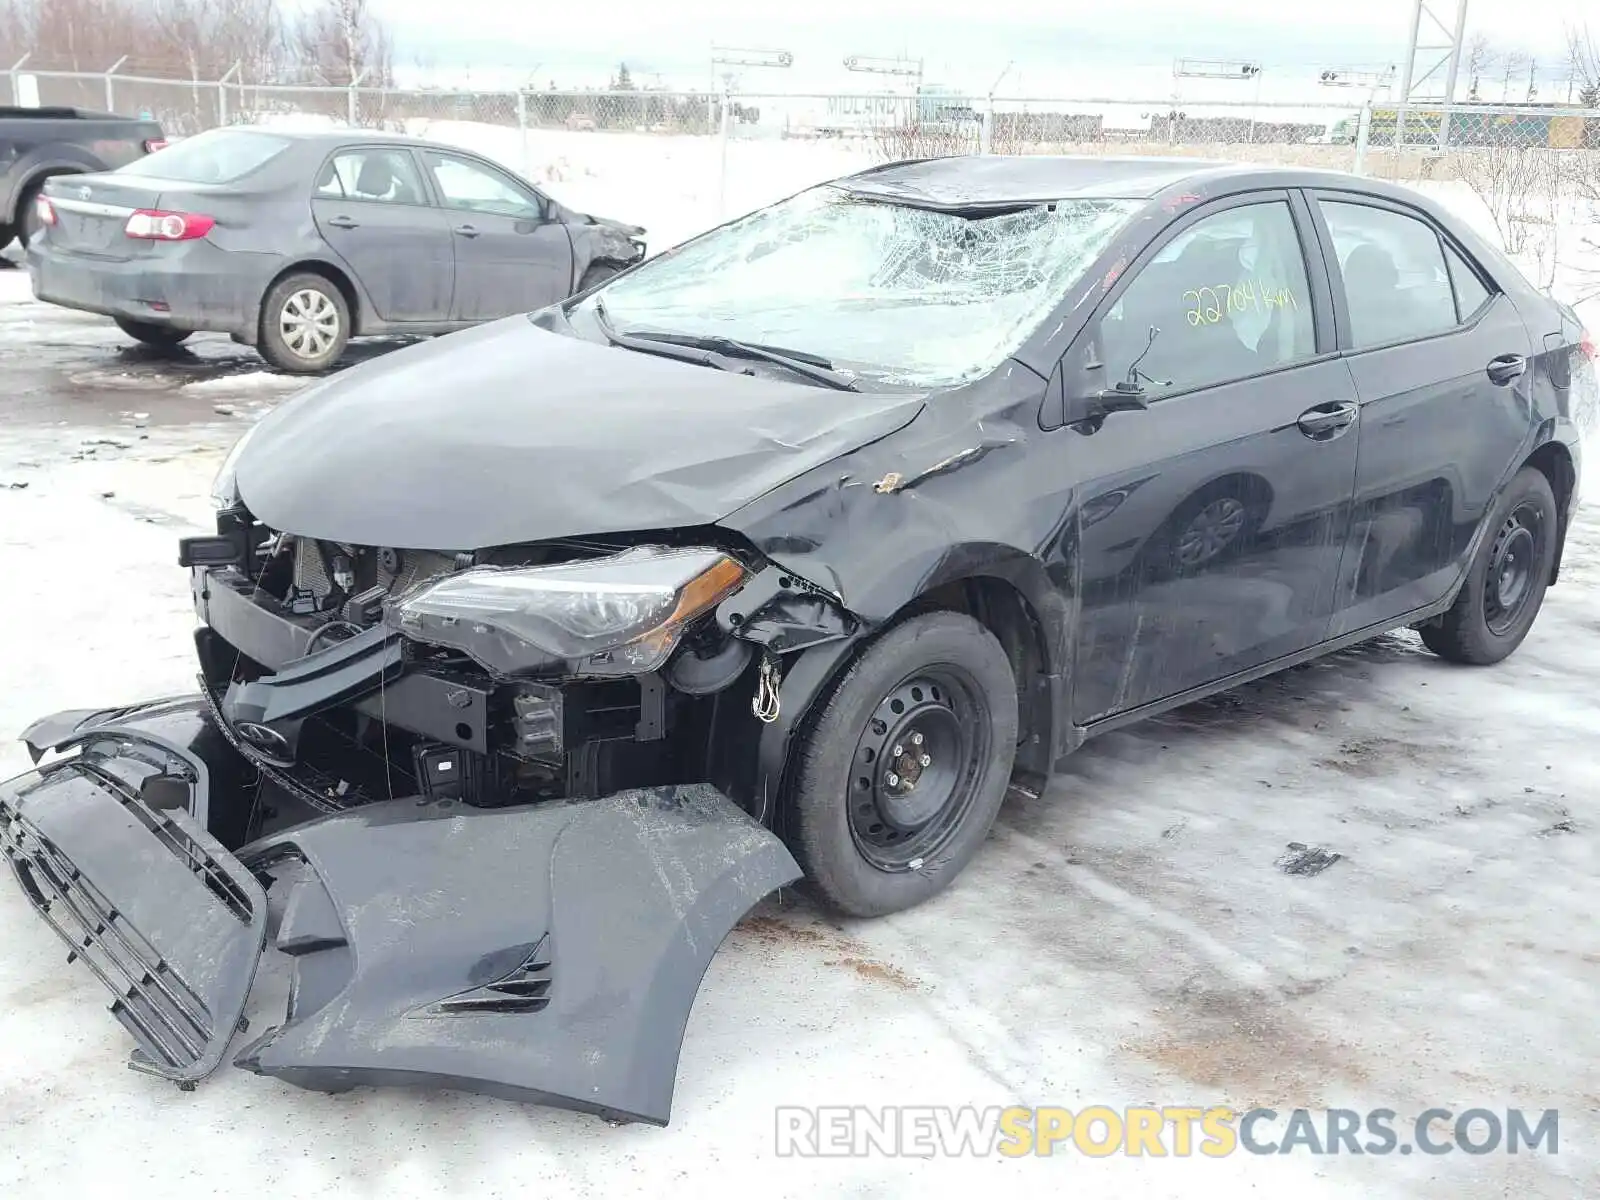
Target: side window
[[473, 188], [372, 174], [1226, 299], [1471, 295], [1395, 280]]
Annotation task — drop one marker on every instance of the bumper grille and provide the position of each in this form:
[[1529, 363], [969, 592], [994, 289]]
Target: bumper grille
[[180, 1001]]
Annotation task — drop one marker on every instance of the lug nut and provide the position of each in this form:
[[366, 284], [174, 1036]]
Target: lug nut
[[897, 751], [926, 760], [916, 739], [893, 779]]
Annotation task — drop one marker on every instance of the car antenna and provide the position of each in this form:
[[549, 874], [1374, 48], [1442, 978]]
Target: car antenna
[[1135, 375]]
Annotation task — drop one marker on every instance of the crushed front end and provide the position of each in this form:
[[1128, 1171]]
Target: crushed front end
[[568, 669], [539, 761]]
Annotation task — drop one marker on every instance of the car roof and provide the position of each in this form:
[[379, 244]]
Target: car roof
[[334, 138], [988, 180]]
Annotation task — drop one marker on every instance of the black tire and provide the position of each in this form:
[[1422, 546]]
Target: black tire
[[300, 304], [597, 274], [1505, 585], [164, 336], [8, 234], [959, 699]]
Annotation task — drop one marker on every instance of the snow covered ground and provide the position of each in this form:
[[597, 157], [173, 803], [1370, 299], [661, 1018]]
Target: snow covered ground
[[1126, 939]]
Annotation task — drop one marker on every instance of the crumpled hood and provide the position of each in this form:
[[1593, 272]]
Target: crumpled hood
[[621, 227], [507, 433]]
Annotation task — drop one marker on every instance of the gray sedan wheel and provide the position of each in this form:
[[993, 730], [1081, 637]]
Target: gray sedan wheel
[[305, 324]]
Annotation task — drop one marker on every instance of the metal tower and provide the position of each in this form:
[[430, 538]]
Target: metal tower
[[1438, 29]]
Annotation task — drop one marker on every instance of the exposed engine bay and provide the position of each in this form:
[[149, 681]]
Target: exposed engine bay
[[566, 669]]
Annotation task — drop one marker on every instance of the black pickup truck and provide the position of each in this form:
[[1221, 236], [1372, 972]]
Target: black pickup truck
[[36, 143]]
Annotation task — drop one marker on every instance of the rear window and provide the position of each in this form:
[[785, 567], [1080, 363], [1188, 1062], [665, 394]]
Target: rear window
[[217, 156]]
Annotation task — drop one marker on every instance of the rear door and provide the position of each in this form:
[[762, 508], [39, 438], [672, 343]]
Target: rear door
[[1440, 358], [510, 257], [373, 211]]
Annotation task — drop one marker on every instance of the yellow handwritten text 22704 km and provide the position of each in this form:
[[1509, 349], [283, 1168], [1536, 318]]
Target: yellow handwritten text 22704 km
[[1208, 305]]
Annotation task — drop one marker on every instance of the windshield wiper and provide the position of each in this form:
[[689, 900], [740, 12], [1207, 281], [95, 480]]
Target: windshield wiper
[[712, 350], [812, 366]]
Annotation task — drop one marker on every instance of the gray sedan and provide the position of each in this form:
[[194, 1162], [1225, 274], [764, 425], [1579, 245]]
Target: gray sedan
[[295, 243]]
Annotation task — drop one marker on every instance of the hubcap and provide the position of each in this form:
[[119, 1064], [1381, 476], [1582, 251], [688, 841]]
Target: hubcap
[[1509, 582], [1214, 527], [916, 769], [309, 323]]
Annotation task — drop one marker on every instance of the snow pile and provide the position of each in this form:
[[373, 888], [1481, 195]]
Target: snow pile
[[251, 381], [671, 184]]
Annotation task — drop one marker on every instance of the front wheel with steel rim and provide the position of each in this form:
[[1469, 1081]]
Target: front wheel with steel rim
[[1506, 583], [900, 777], [305, 324]]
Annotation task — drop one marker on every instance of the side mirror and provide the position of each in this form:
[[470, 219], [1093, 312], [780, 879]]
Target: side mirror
[[1124, 397], [1076, 393]]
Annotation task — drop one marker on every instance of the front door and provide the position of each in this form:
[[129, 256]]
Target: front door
[[1441, 360], [1211, 524], [372, 210], [509, 257]]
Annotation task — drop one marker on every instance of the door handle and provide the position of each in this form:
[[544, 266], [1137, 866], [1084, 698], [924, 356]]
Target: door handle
[[1327, 420], [343, 222], [467, 230], [1506, 369]]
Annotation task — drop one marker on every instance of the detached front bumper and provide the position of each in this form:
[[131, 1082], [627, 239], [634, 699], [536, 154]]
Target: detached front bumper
[[547, 952]]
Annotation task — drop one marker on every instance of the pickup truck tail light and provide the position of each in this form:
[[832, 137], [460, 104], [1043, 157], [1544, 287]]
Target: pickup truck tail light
[[158, 225], [44, 210], [151, 145]]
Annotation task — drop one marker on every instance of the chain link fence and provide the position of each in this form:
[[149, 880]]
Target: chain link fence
[[704, 156]]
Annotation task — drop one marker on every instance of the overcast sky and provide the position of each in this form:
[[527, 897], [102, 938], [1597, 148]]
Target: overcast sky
[[972, 39]]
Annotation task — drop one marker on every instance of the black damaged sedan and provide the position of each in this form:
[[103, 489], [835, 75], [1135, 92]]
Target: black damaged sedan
[[530, 659]]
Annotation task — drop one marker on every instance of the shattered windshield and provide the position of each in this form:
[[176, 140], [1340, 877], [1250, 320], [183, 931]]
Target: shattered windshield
[[894, 294]]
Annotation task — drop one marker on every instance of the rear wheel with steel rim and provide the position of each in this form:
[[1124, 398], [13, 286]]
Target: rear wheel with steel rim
[[900, 777], [305, 324], [1505, 585]]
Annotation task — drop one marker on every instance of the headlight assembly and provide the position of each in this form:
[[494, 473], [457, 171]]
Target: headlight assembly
[[620, 615]]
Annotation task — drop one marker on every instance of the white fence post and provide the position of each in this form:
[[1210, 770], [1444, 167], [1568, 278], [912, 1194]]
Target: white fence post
[[522, 131], [222, 93], [1363, 134], [355, 101], [16, 91], [722, 173], [111, 103]]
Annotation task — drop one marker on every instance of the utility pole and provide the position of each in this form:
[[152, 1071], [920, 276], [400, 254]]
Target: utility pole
[[1239, 72], [731, 56]]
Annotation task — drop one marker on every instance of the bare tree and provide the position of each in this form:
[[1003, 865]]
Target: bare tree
[[200, 39], [338, 43], [1480, 60], [1583, 60], [1513, 62]]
